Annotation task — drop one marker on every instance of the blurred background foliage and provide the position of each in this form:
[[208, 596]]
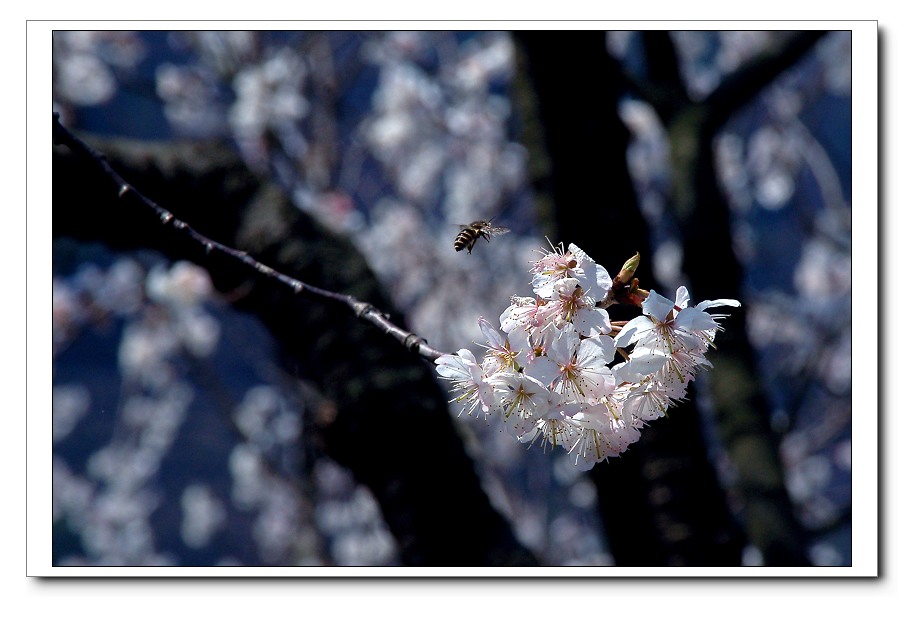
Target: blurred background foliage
[[204, 417]]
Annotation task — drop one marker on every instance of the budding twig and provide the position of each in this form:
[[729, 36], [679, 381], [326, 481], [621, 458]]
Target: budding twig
[[363, 310]]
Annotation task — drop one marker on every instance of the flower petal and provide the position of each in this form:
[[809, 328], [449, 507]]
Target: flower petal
[[542, 369], [638, 367], [633, 330], [596, 350], [658, 306], [711, 303], [693, 318], [592, 321]]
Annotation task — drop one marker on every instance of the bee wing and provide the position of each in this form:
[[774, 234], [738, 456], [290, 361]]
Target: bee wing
[[495, 230]]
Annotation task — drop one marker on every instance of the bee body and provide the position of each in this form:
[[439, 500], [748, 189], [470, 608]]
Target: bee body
[[469, 234]]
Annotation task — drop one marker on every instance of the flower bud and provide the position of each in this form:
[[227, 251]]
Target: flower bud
[[627, 270]]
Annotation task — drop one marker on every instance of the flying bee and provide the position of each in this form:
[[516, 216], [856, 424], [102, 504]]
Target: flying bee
[[469, 234]]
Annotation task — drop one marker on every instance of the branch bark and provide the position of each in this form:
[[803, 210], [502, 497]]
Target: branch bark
[[362, 310]]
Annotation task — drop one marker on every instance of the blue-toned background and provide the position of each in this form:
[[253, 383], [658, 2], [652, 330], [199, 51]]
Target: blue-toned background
[[174, 430]]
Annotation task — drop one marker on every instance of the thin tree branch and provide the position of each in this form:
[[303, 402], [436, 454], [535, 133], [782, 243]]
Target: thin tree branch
[[362, 310]]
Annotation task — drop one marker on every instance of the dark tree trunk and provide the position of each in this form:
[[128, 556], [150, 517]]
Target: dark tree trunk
[[661, 502], [713, 271]]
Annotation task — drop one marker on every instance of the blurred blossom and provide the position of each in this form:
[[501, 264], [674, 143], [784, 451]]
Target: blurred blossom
[[837, 366], [253, 412], [583, 494], [189, 94], [806, 478], [751, 557], [276, 505], [483, 62], [350, 518], [418, 180], [732, 169], [227, 51], [826, 555], [247, 470], [85, 80], [66, 313], [96, 294], [389, 130], [148, 430], [84, 64], [767, 327], [405, 86], [269, 95], [144, 349], [276, 524], [182, 287], [72, 494], [773, 161], [844, 455], [119, 533], [618, 42], [264, 418], [836, 58], [202, 515], [532, 530], [364, 548], [708, 56], [667, 259], [200, 333], [823, 271], [121, 289], [738, 46], [69, 405], [182, 284], [648, 154], [418, 119], [116, 290], [108, 504], [579, 548], [695, 49]]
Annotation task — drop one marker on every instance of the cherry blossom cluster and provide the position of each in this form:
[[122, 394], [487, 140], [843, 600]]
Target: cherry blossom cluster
[[550, 371]]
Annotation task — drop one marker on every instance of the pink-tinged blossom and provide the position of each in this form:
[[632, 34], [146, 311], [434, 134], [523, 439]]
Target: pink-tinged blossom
[[648, 402], [522, 400], [666, 326], [555, 429], [500, 355], [468, 383], [524, 313], [638, 367], [528, 325], [559, 264], [571, 304], [582, 372], [597, 433], [533, 348]]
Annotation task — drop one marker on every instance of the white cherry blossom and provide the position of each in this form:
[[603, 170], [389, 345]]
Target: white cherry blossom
[[559, 264], [467, 380], [550, 372]]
